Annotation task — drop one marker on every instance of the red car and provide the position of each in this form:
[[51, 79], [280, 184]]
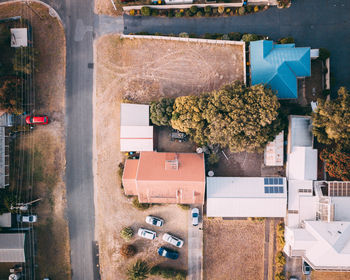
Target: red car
[[37, 119]]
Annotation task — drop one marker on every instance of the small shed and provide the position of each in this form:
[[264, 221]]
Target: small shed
[[135, 132], [12, 247], [19, 37], [273, 155], [6, 220]]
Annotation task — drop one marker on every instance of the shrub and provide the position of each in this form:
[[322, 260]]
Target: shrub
[[207, 14], [184, 206], [324, 54], [213, 159], [182, 35], [225, 37], [193, 9], [249, 37], [280, 259], [126, 233], [280, 235], [128, 250], [208, 36], [120, 170], [280, 276], [215, 11], [286, 40], [228, 10], [249, 9], [178, 14], [132, 12], [146, 11], [170, 13], [199, 14], [256, 9], [188, 13], [207, 9], [154, 12], [221, 10], [140, 206], [241, 11], [235, 36], [138, 271], [168, 273]]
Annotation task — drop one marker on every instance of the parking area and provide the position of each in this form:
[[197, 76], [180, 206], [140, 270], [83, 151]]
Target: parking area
[[164, 143]]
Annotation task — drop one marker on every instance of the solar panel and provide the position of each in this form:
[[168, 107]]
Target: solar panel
[[273, 185]]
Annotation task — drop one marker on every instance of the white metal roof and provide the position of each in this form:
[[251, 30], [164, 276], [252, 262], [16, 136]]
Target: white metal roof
[[300, 130], [302, 164], [19, 37], [12, 247], [136, 138], [244, 197], [5, 220], [273, 155], [134, 115]]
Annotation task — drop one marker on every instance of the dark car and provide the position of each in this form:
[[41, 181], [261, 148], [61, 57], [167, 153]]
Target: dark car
[[306, 268], [168, 253], [37, 119]]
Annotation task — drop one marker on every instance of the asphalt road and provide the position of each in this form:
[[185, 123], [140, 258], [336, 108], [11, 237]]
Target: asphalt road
[[195, 246], [314, 23]]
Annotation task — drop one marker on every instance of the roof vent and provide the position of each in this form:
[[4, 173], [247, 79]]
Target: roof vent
[[172, 164]]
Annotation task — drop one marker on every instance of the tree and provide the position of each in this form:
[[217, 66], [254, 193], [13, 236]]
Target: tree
[[146, 11], [250, 37], [161, 111], [126, 233], [128, 250], [324, 54], [331, 121], [337, 163], [138, 271]]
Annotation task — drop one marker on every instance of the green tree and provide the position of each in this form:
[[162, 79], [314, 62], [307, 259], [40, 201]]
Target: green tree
[[331, 121], [161, 111], [138, 271], [337, 163], [146, 11], [126, 233], [250, 37]]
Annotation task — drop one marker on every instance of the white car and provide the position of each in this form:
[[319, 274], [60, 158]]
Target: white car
[[195, 216], [147, 233], [29, 218], [173, 240], [154, 221]]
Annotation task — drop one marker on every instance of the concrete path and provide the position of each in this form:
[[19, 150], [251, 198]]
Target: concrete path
[[195, 247], [107, 25], [314, 23], [266, 249]]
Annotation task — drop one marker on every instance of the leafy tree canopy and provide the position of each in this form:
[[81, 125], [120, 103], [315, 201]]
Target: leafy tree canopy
[[337, 163], [161, 111]]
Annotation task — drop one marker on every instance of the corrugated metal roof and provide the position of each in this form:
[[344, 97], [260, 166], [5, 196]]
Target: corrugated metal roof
[[301, 133], [134, 114], [5, 220], [279, 66], [12, 247], [302, 164]]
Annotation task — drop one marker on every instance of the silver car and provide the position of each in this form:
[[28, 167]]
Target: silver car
[[154, 221], [173, 240], [147, 233], [195, 216]]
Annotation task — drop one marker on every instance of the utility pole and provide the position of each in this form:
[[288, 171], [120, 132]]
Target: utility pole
[[24, 206]]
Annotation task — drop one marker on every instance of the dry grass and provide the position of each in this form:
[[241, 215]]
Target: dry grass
[[233, 249], [105, 7], [47, 143], [318, 275]]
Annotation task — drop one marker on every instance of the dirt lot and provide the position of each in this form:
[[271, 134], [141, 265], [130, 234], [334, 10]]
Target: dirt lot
[[143, 70], [233, 249], [105, 7], [318, 275], [42, 152]]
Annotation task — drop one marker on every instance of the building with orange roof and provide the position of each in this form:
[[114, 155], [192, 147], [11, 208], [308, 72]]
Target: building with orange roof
[[166, 178]]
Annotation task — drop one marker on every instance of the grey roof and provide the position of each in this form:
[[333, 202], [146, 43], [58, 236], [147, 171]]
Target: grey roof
[[301, 131], [12, 247], [5, 220], [3, 155]]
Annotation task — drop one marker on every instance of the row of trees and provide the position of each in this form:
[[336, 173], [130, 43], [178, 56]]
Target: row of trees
[[331, 126], [238, 117]]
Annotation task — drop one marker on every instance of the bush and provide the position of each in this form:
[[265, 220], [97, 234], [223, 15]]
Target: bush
[[168, 273], [235, 36], [249, 9], [193, 9], [140, 206], [207, 14], [138, 271], [146, 11], [184, 206], [213, 159], [221, 10], [154, 12], [126, 233], [228, 10], [120, 170], [178, 14], [199, 14], [249, 37], [188, 13], [170, 13], [286, 40], [280, 235], [207, 9], [181, 35], [132, 12], [241, 11], [280, 276], [128, 250], [280, 259], [256, 9], [324, 54]]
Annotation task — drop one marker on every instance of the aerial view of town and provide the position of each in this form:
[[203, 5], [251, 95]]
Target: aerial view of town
[[174, 139]]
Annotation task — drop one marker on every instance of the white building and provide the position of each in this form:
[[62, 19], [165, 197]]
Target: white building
[[246, 197], [19, 37], [135, 132]]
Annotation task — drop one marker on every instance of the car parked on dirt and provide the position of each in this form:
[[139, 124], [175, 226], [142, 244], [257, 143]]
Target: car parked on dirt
[[37, 119], [154, 221], [173, 240], [27, 218], [306, 268], [147, 233], [168, 253], [195, 216]]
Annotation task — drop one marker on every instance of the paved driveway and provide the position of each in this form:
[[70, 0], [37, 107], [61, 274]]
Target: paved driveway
[[195, 247], [315, 23]]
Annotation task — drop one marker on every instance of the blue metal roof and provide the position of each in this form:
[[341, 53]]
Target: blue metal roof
[[279, 66]]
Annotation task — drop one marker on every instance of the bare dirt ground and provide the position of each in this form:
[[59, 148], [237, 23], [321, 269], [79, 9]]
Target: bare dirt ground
[[143, 70], [106, 7], [233, 249], [45, 146], [318, 275]]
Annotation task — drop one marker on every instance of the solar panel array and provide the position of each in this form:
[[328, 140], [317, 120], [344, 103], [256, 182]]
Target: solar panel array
[[273, 185]]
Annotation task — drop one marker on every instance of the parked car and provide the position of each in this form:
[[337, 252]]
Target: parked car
[[293, 278], [27, 218], [195, 216], [37, 119], [173, 240], [147, 233], [154, 221], [306, 268], [168, 253]]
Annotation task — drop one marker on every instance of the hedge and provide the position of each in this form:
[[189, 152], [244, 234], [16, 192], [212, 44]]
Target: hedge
[[168, 272]]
